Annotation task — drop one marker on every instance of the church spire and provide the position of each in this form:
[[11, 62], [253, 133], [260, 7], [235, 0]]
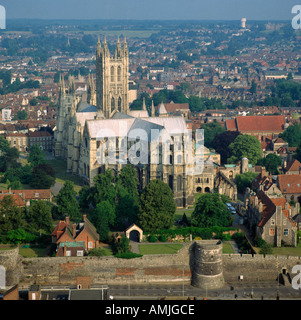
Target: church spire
[[105, 47], [98, 50], [143, 105], [118, 49], [153, 112]]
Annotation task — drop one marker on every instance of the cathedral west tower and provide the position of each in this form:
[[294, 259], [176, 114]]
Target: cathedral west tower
[[112, 80]]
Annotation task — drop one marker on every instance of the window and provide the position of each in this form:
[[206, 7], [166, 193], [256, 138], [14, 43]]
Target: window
[[119, 74], [90, 244], [80, 253], [285, 232], [68, 253], [112, 74], [272, 232], [179, 183]]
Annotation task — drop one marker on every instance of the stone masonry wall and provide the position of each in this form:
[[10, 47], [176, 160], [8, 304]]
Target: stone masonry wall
[[147, 269]]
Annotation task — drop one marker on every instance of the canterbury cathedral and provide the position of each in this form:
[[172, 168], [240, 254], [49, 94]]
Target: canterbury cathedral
[[98, 123]]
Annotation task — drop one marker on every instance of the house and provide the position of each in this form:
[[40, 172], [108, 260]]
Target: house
[[23, 197], [43, 139], [75, 239], [292, 167], [290, 186], [267, 184], [18, 140], [17, 199], [271, 219], [259, 126], [10, 293]]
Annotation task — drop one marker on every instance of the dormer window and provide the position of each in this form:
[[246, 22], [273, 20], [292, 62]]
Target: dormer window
[[37, 195]]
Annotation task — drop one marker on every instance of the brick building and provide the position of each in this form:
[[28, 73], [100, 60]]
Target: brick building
[[75, 239], [272, 219]]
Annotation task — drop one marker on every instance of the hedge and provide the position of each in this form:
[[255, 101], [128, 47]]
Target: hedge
[[204, 233]]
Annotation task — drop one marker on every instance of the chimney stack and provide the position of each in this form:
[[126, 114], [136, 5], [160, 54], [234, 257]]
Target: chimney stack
[[74, 230], [84, 217], [67, 220]]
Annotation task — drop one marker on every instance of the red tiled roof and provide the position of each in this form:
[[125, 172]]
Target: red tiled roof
[[19, 202], [231, 124], [269, 207], [173, 107], [30, 194], [256, 124], [290, 183], [293, 165], [260, 123]]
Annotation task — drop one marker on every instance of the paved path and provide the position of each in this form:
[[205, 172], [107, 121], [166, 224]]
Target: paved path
[[234, 246], [135, 246]]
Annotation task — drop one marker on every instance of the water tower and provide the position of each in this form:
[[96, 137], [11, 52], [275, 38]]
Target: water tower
[[243, 23]]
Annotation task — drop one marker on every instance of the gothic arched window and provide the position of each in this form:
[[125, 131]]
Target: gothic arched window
[[179, 183], [112, 104], [119, 74], [119, 104], [112, 74]]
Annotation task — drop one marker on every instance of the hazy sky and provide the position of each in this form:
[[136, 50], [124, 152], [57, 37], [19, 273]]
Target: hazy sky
[[151, 9]]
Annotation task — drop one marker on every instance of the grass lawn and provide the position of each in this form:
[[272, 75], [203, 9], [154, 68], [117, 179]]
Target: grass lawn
[[179, 213], [60, 167], [7, 247], [32, 252], [159, 248], [284, 251], [227, 248]]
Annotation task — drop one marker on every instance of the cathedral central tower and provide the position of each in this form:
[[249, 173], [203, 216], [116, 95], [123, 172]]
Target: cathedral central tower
[[112, 79]]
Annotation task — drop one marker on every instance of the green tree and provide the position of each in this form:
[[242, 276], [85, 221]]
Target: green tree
[[8, 156], [244, 180], [39, 216], [101, 219], [211, 130], [36, 156], [245, 146], [221, 143], [43, 176], [104, 188], [156, 207], [21, 115], [19, 235], [211, 210], [253, 89], [292, 135], [67, 204], [11, 216], [271, 162]]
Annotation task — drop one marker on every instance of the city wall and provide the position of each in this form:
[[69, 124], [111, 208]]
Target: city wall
[[147, 269]]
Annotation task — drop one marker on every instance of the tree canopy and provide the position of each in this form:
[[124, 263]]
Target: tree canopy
[[211, 210], [245, 146], [156, 206], [292, 135]]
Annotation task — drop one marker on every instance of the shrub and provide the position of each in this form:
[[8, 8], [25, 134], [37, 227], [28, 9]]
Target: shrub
[[259, 242], [128, 255], [97, 252], [225, 237], [152, 238], [266, 249], [162, 238]]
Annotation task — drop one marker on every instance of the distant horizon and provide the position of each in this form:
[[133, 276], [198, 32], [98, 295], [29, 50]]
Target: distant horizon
[[157, 10], [117, 19]]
